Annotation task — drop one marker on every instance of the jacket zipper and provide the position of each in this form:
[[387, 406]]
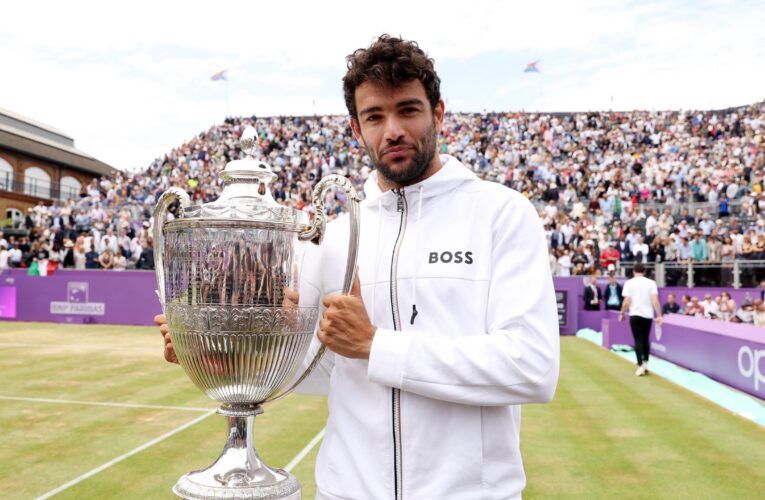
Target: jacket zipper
[[395, 393]]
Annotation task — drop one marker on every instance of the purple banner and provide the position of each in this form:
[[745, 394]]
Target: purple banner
[[8, 302], [615, 331], [112, 297], [731, 353]]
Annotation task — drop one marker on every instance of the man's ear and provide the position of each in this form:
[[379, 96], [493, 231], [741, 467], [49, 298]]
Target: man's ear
[[438, 115], [356, 128]]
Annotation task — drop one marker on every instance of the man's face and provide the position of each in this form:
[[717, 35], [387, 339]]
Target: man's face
[[399, 130]]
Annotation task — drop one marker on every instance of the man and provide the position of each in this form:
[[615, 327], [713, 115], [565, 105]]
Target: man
[[671, 306], [452, 323], [711, 307], [694, 308], [609, 256], [699, 248], [592, 295], [613, 294], [641, 298]]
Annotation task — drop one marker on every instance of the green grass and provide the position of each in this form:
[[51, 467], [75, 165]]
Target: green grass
[[607, 434]]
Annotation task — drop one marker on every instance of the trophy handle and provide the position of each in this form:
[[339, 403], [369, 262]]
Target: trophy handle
[[160, 212], [316, 234]]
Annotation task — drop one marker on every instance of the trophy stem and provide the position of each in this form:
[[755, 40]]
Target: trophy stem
[[238, 472]]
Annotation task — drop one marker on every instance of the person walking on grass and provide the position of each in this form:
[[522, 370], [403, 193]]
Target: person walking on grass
[[641, 299]]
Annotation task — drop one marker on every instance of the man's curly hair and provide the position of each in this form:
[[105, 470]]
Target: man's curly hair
[[390, 62]]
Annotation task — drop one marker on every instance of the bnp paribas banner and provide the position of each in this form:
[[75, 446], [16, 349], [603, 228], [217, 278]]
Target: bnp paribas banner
[[78, 301], [113, 297]]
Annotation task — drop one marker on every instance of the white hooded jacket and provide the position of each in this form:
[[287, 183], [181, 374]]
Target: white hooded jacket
[[454, 275]]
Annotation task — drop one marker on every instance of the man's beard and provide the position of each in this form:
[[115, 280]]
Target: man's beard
[[424, 151]]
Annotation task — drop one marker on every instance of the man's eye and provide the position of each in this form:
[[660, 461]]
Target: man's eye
[[409, 111], [373, 118]]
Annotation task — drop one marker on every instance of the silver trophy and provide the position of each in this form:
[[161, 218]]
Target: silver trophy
[[227, 275]]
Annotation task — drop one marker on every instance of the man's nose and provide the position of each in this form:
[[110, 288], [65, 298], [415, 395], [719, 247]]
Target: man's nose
[[393, 129]]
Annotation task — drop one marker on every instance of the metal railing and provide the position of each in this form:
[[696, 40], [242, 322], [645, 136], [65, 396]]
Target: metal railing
[[738, 273], [712, 208], [34, 186]]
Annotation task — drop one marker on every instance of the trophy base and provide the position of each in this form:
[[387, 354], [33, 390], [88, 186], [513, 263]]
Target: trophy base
[[238, 473]]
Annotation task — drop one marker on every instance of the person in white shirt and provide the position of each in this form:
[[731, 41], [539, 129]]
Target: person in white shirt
[[642, 248], [641, 299], [711, 307], [4, 256]]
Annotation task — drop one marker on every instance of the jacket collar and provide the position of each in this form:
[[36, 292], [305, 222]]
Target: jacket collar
[[451, 175]]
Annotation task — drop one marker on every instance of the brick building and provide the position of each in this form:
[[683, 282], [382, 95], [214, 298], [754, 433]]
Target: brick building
[[39, 163]]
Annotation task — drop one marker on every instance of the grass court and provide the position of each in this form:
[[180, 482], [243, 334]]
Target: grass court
[[94, 411]]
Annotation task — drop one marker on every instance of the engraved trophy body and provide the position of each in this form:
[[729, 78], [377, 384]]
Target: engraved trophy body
[[227, 275]]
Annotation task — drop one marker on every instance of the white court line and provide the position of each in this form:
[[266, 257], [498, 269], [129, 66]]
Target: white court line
[[95, 403], [300, 456], [120, 458], [84, 346]]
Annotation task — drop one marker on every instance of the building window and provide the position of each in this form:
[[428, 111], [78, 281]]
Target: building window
[[37, 182], [14, 218], [6, 176], [70, 188]]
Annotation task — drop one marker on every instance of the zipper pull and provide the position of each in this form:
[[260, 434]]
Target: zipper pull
[[400, 202]]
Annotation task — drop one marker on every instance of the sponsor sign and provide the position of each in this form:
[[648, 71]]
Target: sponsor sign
[[77, 301]]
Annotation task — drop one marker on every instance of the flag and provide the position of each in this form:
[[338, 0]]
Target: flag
[[532, 67], [220, 75]]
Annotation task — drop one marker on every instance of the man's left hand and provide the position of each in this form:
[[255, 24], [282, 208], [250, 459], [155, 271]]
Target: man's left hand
[[345, 328]]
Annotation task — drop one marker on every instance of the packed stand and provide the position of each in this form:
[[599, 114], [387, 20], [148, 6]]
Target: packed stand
[[609, 187]]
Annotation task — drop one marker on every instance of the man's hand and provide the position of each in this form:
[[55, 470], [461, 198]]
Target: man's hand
[[621, 315], [160, 321], [345, 328], [659, 321]]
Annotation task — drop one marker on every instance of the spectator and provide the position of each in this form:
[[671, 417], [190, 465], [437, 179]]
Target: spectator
[[146, 260], [727, 306], [711, 307], [592, 295], [91, 259], [745, 314], [120, 261], [758, 314], [612, 295], [695, 308], [106, 260], [4, 255], [699, 248], [671, 306]]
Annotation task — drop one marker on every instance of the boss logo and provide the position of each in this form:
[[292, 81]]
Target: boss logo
[[451, 257]]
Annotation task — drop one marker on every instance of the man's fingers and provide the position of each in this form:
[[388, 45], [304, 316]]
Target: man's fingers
[[170, 354], [159, 319], [356, 288]]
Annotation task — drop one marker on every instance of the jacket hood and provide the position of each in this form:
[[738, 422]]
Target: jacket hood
[[451, 175]]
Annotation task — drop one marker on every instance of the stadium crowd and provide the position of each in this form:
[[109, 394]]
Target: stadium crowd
[[610, 187]]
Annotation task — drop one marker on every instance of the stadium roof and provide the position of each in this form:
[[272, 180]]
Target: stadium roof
[[25, 135]]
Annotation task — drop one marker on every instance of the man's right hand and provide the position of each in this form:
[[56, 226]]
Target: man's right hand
[[170, 356]]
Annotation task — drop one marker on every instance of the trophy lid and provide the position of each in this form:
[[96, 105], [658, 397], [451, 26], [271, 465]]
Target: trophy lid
[[246, 196]]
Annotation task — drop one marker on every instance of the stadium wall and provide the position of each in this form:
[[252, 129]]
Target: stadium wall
[[731, 353]]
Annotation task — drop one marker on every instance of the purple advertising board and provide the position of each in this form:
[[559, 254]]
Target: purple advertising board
[[731, 353], [112, 297], [8, 302]]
